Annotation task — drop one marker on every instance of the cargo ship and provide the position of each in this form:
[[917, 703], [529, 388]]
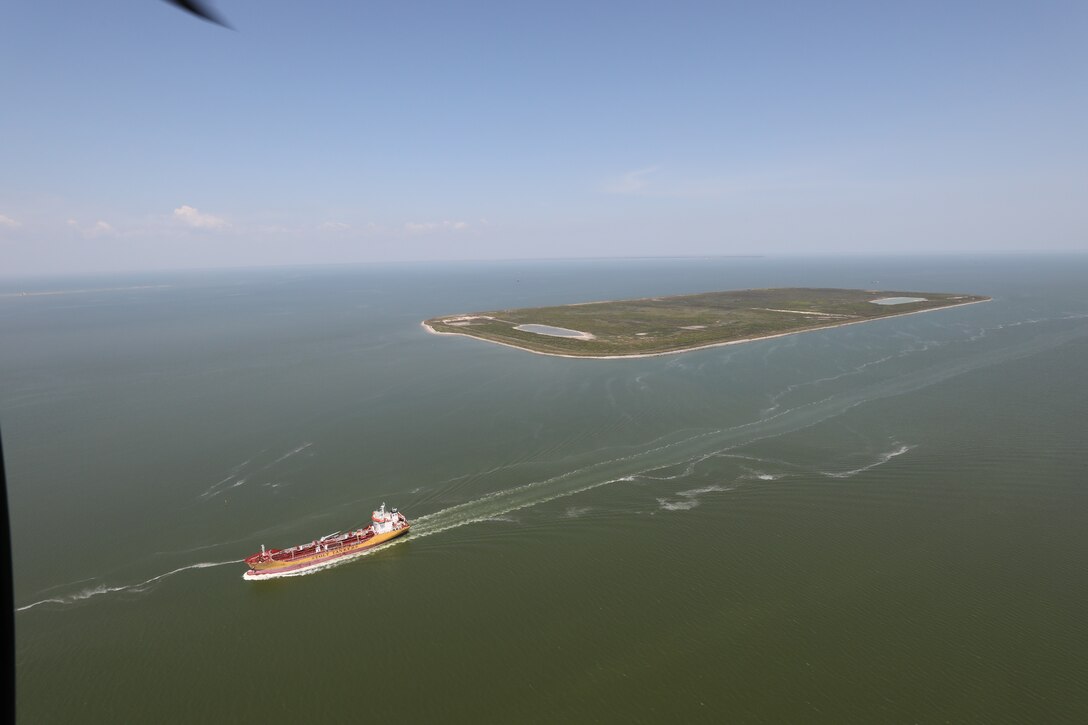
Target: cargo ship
[[271, 563]]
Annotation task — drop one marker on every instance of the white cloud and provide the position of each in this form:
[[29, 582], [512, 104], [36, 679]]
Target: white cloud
[[632, 182], [334, 226], [422, 227], [98, 229], [198, 219], [6, 221]]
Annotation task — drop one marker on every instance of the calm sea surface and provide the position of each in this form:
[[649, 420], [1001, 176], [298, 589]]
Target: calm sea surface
[[877, 523]]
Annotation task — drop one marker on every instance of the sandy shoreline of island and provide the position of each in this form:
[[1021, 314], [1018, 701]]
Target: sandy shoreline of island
[[433, 331]]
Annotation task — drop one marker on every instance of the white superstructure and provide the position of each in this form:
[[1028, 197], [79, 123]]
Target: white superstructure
[[382, 521]]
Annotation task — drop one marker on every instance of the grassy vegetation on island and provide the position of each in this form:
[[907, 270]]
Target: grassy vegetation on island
[[660, 325]]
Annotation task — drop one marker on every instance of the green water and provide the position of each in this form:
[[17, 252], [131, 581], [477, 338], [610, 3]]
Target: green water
[[876, 523]]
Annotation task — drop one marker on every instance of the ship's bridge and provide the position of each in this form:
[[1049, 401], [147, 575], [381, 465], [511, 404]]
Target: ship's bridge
[[384, 521]]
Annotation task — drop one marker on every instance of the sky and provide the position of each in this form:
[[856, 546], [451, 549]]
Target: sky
[[134, 136]]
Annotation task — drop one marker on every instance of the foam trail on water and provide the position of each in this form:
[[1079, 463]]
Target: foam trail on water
[[288, 454], [103, 589], [238, 475], [689, 499], [920, 345], [691, 447], [884, 458]]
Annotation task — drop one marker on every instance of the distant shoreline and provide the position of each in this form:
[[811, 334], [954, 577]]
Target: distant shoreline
[[627, 356]]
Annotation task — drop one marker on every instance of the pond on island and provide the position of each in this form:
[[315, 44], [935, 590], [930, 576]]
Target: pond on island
[[554, 331], [897, 300]]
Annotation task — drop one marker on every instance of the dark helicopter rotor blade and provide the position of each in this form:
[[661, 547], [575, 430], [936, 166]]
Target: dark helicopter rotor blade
[[201, 10]]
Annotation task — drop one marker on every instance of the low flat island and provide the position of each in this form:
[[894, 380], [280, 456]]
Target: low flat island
[[664, 325]]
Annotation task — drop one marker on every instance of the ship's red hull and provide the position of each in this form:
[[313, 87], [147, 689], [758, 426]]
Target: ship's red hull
[[319, 553]]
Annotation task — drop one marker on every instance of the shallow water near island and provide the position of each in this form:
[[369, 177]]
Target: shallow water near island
[[880, 522]]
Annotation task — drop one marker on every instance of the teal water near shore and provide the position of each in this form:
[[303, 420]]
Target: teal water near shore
[[872, 523]]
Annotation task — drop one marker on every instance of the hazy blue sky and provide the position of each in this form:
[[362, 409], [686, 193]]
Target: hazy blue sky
[[135, 136]]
